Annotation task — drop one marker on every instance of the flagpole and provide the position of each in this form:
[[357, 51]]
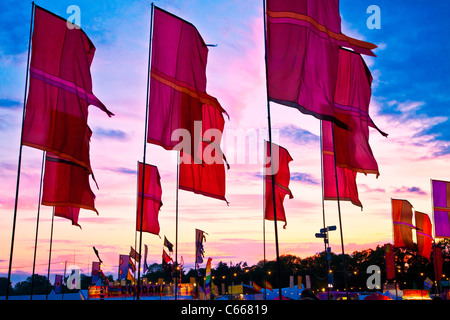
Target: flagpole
[[20, 155], [50, 253], [37, 226], [176, 224], [271, 155], [339, 212], [264, 236], [145, 142]]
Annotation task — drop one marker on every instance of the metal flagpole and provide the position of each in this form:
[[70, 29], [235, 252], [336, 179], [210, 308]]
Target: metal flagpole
[[37, 226], [20, 156], [339, 213], [271, 155], [50, 253], [145, 143], [264, 233], [176, 225]]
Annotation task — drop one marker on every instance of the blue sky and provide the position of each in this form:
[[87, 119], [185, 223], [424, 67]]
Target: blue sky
[[410, 102]]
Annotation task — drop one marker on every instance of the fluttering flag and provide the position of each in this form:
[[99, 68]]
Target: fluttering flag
[[131, 277], [441, 208], [424, 233], [351, 106], [66, 184], [58, 283], [70, 213], [199, 250], [60, 89], [402, 220], [152, 203], [303, 41], [95, 272], [346, 178], [203, 172], [134, 254], [131, 264], [208, 277], [167, 261], [178, 80], [390, 261], [256, 287], [438, 263], [168, 244], [123, 266], [268, 286], [145, 258], [96, 253], [281, 159]]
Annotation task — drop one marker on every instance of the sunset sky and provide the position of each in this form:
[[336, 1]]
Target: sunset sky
[[410, 101]]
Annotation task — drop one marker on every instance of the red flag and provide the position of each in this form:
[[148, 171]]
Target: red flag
[[390, 264], [60, 89], [351, 101], [402, 220], [438, 263], [346, 178], [134, 254], [204, 171], [178, 79], [66, 184], [70, 213], [281, 159], [424, 232], [151, 193], [303, 40]]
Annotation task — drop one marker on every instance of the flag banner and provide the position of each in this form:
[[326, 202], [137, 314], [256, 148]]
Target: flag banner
[[134, 254], [438, 263], [151, 196], [346, 178], [208, 278], [168, 244], [402, 220], [145, 258], [203, 172], [178, 79], [390, 261], [351, 106], [71, 213], [98, 256], [424, 231], [58, 283], [281, 159], [303, 40], [95, 272], [256, 287], [66, 184], [268, 286], [123, 266], [131, 265], [167, 261], [131, 277], [441, 208], [60, 89], [199, 250]]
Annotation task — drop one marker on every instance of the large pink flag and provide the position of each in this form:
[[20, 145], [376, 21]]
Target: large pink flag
[[60, 89], [441, 208], [151, 195], [178, 80], [303, 41], [346, 178], [352, 99], [282, 176]]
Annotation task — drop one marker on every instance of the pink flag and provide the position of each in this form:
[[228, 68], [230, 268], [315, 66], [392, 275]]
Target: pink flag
[[281, 159], [178, 80], [66, 184], [441, 208], [346, 178], [424, 234], [151, 195], [303, 40], [60, 89], [352, 99], [70, 213]]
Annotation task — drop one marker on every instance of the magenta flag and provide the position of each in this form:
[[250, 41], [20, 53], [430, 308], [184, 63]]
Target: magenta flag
[[151, 195], [303, 41], [441, 208], [352, 99], [71, 213], [60, 89], [204, 173], [282, 176], [346, 178], [178, 79]]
